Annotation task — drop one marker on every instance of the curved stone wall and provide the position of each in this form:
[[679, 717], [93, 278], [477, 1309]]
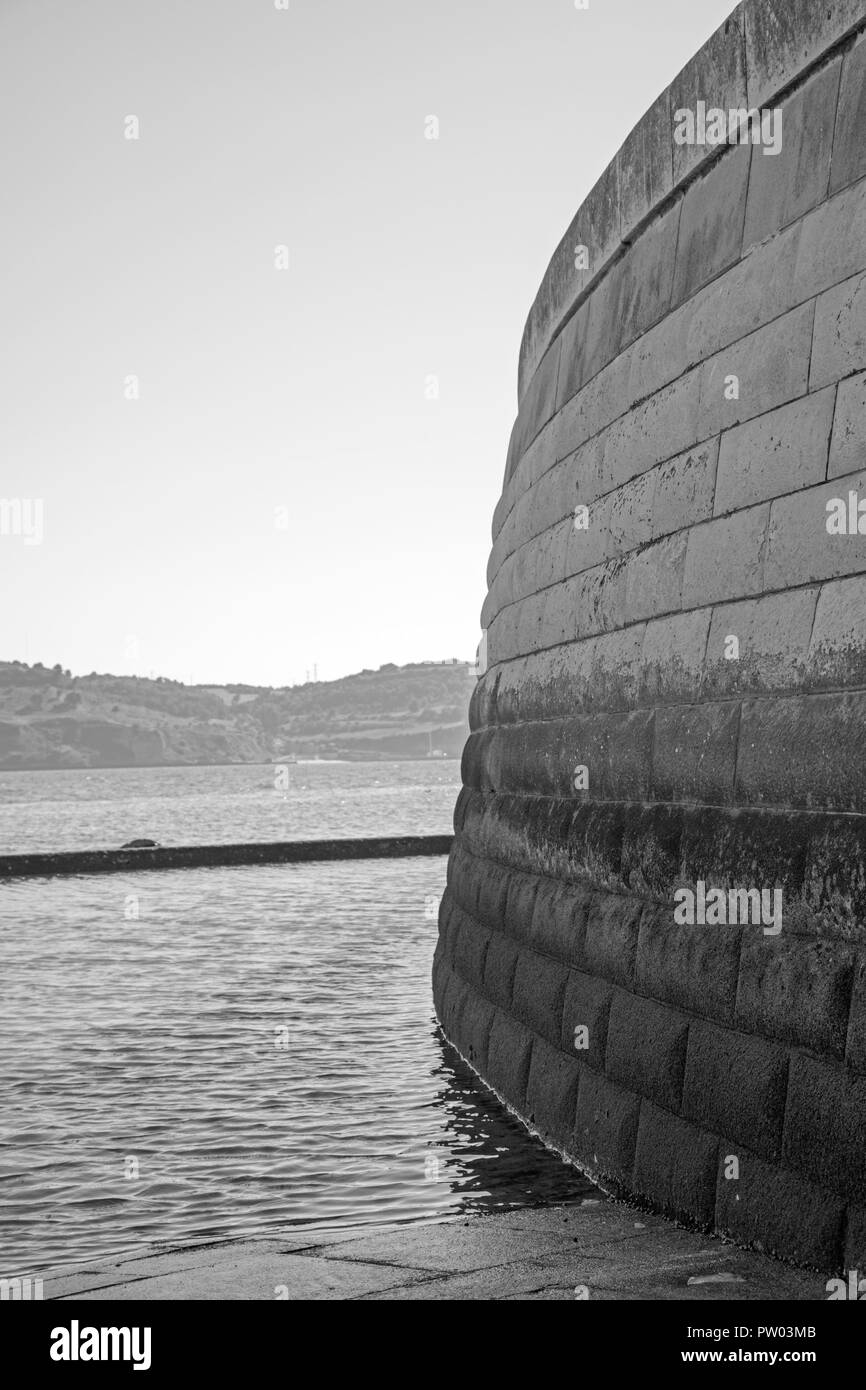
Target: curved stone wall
[[675, 689]]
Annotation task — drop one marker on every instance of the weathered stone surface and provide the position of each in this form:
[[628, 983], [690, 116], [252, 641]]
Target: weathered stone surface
[[855, 1043], [597, 227], [559, 921], [646, 1048], [784, 37], [834, 877], [540, 401], [694, 754], [849, 150], [551, 1097], [535, 1253], [800, 550], [611, 938], [771, 367], [775, 454], [645, 166], [848, 446], [716, 76], [735, 1086], [508, 1058], [500, 967], [769, 1209], [538, 994], [797, 991], [823, 1122], [840, 333], [651, 848], [605, 1130], [586, 1006], [837, 649], [827, 731], [476, 1022], [684, 489], [520, 905], [672, 664], [711, 227], [675, 1166], [855, 1239], [469, 948], [725, 558], [701, 650], [686, 967], [772, 652], [786, 185]]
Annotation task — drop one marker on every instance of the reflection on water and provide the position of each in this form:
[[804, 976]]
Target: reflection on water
[[229, 1053]]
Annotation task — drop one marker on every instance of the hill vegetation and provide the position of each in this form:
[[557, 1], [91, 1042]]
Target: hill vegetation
[[50, 718]]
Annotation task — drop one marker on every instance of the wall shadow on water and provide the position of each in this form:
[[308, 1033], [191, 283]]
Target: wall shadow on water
[[488, 1158]]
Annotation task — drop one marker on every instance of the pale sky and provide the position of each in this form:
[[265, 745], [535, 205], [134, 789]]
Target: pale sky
[[304, 389]]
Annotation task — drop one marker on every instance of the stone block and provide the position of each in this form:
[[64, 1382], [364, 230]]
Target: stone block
[[786, 185], [848, 445], [586, 1005], [826, 731], [711, 223], [646, 1048], [824, 1126], [796, 990], [837, 648], [725, 558], [520, 905], [559, 921], [735, 1086], [500, 966], [476, 1021], [840, 333], [849, 148], [688, 967], [716, 76], [468, 948], [645, 166], [675, 1167], [673, 658], [651, 842], [508, 1059], [654, 580], [684, 489], [605, 1130], [776, 454], [694, 753], [551, 1097], [771, 367], [773, 635], [538, 994], [611, 938], [776, 1212], [800, 550]]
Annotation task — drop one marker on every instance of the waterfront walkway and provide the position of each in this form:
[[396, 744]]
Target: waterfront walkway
[[595, 1250]]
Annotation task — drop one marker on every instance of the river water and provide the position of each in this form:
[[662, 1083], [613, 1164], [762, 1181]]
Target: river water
[[221, 1053]]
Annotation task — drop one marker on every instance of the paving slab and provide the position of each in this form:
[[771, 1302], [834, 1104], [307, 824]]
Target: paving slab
[[597, 1249], [261, 1277]]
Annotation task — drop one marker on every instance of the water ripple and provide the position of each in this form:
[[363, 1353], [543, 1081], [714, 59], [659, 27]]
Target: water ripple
[[255, 1052]]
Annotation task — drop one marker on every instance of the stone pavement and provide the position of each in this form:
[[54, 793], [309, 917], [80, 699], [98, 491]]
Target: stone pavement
[[595, 1248]]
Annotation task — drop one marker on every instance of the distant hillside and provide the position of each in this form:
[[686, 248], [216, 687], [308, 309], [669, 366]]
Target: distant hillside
[[49, 718]]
